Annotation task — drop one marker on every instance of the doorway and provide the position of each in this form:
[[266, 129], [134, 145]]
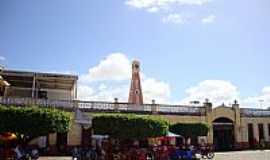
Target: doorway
[[61, 142], [223, 130], [86, 137]]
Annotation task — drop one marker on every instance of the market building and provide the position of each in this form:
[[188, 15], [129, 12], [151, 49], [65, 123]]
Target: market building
[[231, 127]]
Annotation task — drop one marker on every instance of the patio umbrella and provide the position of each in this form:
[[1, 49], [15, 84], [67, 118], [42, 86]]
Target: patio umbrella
[[7, 139], [3, 82], [7, 136], [170, 134]]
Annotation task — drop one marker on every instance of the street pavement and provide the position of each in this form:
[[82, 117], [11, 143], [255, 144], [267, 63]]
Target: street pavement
[[55, 158], [237, 155], [244, 155]]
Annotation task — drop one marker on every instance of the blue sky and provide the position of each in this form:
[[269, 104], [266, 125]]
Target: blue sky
[[189, 49]]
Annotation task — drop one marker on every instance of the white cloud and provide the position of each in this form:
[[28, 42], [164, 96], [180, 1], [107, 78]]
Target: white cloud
[[153, 9], [101, 85], [111, 79], [160, 4], [220, 91], [217, 91], [261, 100], [2, 58], [208, 19], [174, 18], [116, 66], [84, 92], [157, 90], [170, 9]]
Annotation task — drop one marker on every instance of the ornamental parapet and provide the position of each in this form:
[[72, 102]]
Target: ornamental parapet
[[99, 106], [253, 112]]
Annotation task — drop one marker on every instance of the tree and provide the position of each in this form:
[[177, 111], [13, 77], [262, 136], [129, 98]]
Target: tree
[[31, 122], [128, 126], [190, 129]]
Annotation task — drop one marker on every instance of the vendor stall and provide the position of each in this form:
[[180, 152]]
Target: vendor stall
[[7, 141]]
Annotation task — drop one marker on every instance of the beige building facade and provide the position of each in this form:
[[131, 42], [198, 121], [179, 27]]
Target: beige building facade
[[231, 127]]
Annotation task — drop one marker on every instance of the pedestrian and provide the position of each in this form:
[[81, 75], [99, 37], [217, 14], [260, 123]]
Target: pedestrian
[[18, 153]]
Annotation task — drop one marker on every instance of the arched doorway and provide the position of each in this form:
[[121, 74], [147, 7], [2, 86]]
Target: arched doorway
[[223, 130]]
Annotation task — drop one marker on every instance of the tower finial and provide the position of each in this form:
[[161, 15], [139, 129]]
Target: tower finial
[[135, 92]]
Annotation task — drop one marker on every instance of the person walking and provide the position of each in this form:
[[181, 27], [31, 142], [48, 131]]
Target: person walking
[[18, 153]]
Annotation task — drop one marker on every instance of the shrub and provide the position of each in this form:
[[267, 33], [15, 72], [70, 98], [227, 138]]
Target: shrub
[[129, 126], [30, 122], [190, 129]]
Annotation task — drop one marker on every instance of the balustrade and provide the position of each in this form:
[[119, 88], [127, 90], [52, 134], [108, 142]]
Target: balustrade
[[104, 106], [250, 112]]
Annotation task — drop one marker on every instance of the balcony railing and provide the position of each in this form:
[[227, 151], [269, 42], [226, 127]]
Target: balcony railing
[[251, 112], [92, 106], [37, 102]]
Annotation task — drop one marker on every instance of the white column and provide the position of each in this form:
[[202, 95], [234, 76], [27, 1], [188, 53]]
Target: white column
[[75, 90], [6, 91], [256, 131], [268, 132], [34, 87], [265, 132]]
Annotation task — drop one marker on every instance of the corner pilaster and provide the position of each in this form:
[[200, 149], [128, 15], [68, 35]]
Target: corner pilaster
[[237, 123], [209, 118]]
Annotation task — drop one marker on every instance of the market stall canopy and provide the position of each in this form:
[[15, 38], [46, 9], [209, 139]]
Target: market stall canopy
[[96, 136], [170, 134], [7, 136], [3, 82]]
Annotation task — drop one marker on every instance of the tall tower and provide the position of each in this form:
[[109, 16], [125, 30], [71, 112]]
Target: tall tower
[[135, 92]]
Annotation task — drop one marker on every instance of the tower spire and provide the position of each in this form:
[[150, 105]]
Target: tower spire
[[135, 92]]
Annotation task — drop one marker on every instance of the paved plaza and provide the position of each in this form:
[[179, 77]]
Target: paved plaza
[[241, 155], [244, 155]]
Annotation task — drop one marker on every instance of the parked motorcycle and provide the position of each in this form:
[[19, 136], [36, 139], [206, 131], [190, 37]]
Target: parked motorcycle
[[76, 154], [206, 152], [31, 154]]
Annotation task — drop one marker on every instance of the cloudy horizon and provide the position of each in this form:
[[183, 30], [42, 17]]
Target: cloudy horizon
[[189, 50]]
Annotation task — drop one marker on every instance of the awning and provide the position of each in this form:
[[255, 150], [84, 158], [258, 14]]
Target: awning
[[25, 79], [3, 82], [96, 136], [170, 134], [7, 136]]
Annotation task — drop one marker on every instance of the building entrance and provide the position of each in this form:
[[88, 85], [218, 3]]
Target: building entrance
[[223, 130]]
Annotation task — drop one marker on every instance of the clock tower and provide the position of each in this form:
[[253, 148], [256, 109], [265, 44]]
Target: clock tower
[[135, 92]]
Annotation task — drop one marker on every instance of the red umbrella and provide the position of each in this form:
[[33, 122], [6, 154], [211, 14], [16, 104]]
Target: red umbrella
[[7, 136]]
